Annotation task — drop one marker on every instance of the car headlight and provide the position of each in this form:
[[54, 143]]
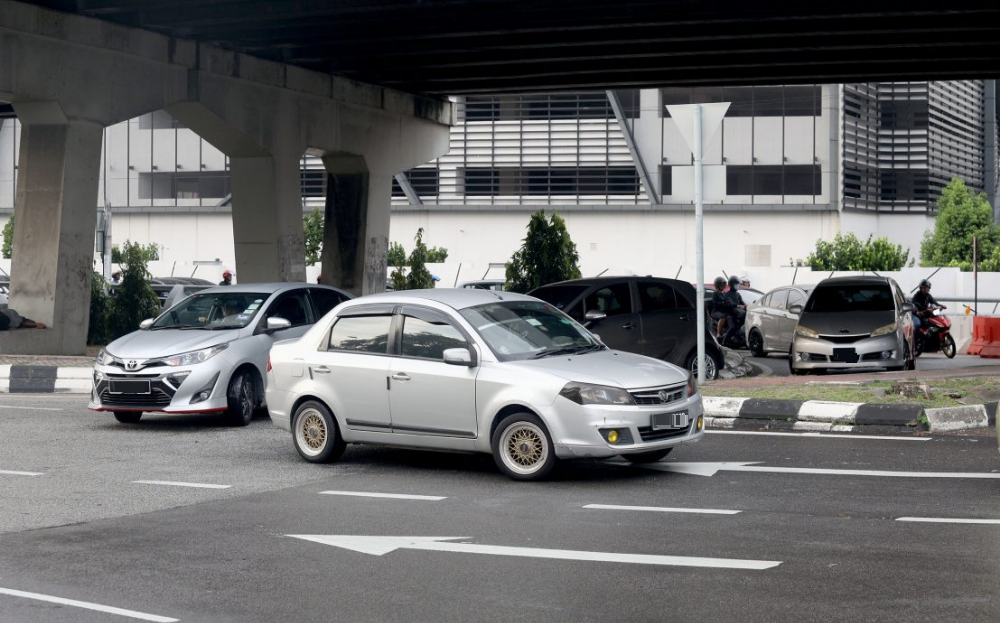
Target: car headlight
[[195, 356], [104, 357], [586, 394], [692, 385], [805, 331], [886, 330]]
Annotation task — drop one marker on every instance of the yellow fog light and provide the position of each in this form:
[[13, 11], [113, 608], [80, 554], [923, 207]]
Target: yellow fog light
[[701, 421], [613, 436]]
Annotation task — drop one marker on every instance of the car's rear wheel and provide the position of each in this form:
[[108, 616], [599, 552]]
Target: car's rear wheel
[[647, 457], [522, 448], [948, 346], [128, 417], [241, 398], [756, 343], [713, 364], [315, 433]]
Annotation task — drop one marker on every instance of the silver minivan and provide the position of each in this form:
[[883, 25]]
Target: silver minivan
[[853, 322]]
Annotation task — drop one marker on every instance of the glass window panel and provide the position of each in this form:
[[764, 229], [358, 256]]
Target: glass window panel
[[368, 334]]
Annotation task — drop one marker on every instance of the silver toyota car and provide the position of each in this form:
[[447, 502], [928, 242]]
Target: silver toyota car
[[853, 322], [479, 371], [207, 353]]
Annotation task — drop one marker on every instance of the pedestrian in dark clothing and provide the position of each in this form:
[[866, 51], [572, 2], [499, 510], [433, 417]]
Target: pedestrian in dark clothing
[[737, 309], [227, 278]]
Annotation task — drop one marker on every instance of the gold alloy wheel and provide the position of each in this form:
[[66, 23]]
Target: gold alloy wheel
[[524, 447], [311, 432]]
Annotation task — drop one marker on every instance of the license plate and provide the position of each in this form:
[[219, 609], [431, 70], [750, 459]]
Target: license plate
[[130, 387], [845, 355], [677, 419]]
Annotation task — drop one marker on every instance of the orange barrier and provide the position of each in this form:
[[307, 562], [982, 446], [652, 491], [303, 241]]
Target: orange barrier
[[985, 337]]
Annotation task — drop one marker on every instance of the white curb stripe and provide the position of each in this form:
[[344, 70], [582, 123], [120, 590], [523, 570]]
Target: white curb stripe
[[395, 496], [947, 520], [720, 406], [830, 412], [170, 483], [660, 509], [88, 606]]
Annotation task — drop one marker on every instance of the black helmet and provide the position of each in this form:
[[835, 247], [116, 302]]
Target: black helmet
[[734, 281], [720, 283], [925, 283]]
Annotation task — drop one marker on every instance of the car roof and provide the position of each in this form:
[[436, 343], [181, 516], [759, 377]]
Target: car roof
[[268, 288], [456, 298], [593, 281], [857, 280]]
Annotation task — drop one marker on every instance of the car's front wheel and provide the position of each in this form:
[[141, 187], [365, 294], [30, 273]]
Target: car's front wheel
[[522, 448], [128, 417], [647, 457], [756, 343], [241, 398], [713, 364], [315, 433]]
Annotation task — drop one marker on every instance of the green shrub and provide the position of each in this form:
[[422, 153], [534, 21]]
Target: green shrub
[[134, 299], [100, 306], [418, 277], [547, 255]]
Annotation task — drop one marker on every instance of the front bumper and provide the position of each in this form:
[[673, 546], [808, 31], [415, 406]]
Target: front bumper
[[864, 353], [581, 431], [169, 392]]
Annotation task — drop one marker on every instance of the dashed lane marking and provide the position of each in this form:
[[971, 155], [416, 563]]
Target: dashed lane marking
[[949, 520], [30, 408], [661, 509], [817, 435], [142, 616], [196, 485], [7, 472], [395, 496]]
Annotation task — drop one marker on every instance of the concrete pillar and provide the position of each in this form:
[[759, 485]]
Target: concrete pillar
[[267, 219], [356, 233], [53, 251]]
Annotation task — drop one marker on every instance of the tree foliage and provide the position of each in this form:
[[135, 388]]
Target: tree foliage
[[313, 225], [417, 277], [396, 255], [134, 300], [100, 308], [150, 253], [962, 215], [8, 239], [547, 255], [847, 252]]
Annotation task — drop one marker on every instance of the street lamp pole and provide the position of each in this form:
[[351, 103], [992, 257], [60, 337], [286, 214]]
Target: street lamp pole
[[699, 241]]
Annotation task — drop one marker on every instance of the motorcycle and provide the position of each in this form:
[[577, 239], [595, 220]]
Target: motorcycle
[[935, 334], [738, 341]]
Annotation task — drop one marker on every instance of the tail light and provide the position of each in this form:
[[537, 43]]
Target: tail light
[[269, 362]]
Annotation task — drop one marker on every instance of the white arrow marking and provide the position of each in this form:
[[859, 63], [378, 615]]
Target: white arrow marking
[[947, 520], [663, 509], [380, 545], [709, 469], [394, 496], [170, 483], [142, 616], [8, 472]]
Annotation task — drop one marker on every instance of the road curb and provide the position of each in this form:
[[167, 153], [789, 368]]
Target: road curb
[[31, 379], [739, 413]]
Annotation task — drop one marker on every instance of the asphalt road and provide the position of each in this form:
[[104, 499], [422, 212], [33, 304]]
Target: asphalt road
[[777, 364], [84, 530]]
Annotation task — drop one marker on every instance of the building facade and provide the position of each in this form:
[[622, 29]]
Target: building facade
[[789, 165]]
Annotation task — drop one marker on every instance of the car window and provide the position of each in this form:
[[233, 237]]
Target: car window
[[293, 308], [795, 298], [325, 300], [429, 338], [527, 329], [612, 300], [232, 310], [851, 298], [765, 301], [367, 334], [559, 296], [779, 299], [655, 296]]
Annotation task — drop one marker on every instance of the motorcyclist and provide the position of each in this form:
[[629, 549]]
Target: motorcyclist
[[722, 306], [923, 302], [738, 306]]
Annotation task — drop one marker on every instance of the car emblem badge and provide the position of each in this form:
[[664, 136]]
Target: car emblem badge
[[845, 331], [132, 364], [663, 395]]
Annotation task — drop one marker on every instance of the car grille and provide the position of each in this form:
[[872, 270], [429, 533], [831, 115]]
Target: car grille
[[646, 433], [843, 339], [118, 363], [672, 393], [157, 399]]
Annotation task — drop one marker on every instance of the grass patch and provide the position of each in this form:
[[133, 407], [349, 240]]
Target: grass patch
[[965, 391]]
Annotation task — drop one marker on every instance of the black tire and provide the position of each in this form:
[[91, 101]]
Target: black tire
[[315, 433], [756, 343], [241, 398], [522, 447], [128, 417], [715, 365], [948, 346], [647, 457]]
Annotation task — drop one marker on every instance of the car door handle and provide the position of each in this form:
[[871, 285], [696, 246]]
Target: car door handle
[[322, 370], [628, 325], [685, 318], [401, 376]]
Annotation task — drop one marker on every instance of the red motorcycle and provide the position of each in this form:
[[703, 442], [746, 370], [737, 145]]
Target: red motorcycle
[[935, 334]]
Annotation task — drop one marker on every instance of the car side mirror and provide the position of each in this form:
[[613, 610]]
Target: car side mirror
[[908, 307], [147, 323], [277, 324], [795, 309], [458, 357], [593, 316]]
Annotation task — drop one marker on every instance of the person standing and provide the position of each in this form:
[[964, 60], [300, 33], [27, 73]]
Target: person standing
[[227, 278]]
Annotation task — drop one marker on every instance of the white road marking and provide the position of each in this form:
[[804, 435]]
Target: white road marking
[[709, 469], [396, 496], [31, 408], [662, 509], [8, 472], [197, 485], [87, 605], [380, 545], [947, 520], [816, 435]]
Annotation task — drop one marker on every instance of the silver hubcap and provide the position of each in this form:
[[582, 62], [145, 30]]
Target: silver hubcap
[[311, 432], [524, 448], [709, 367]]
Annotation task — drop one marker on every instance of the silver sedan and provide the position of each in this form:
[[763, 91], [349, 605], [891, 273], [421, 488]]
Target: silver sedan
[[770, 324], [477, 371]]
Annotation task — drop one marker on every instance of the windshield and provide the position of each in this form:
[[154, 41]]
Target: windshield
[[528, 330], [212, 311], [851, 298], [559, 296]]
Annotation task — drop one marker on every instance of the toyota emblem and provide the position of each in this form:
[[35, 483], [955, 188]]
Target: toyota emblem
[[664, 395], [131, 364]]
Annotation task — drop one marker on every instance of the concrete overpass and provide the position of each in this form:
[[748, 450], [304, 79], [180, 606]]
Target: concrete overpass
[[362, 83]]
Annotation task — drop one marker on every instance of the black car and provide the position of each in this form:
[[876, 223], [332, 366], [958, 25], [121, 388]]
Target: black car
[[646, 315]]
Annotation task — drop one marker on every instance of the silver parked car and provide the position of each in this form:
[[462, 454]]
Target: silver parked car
[[208, 353], [853, 322], [770, 323], [479, 371]]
